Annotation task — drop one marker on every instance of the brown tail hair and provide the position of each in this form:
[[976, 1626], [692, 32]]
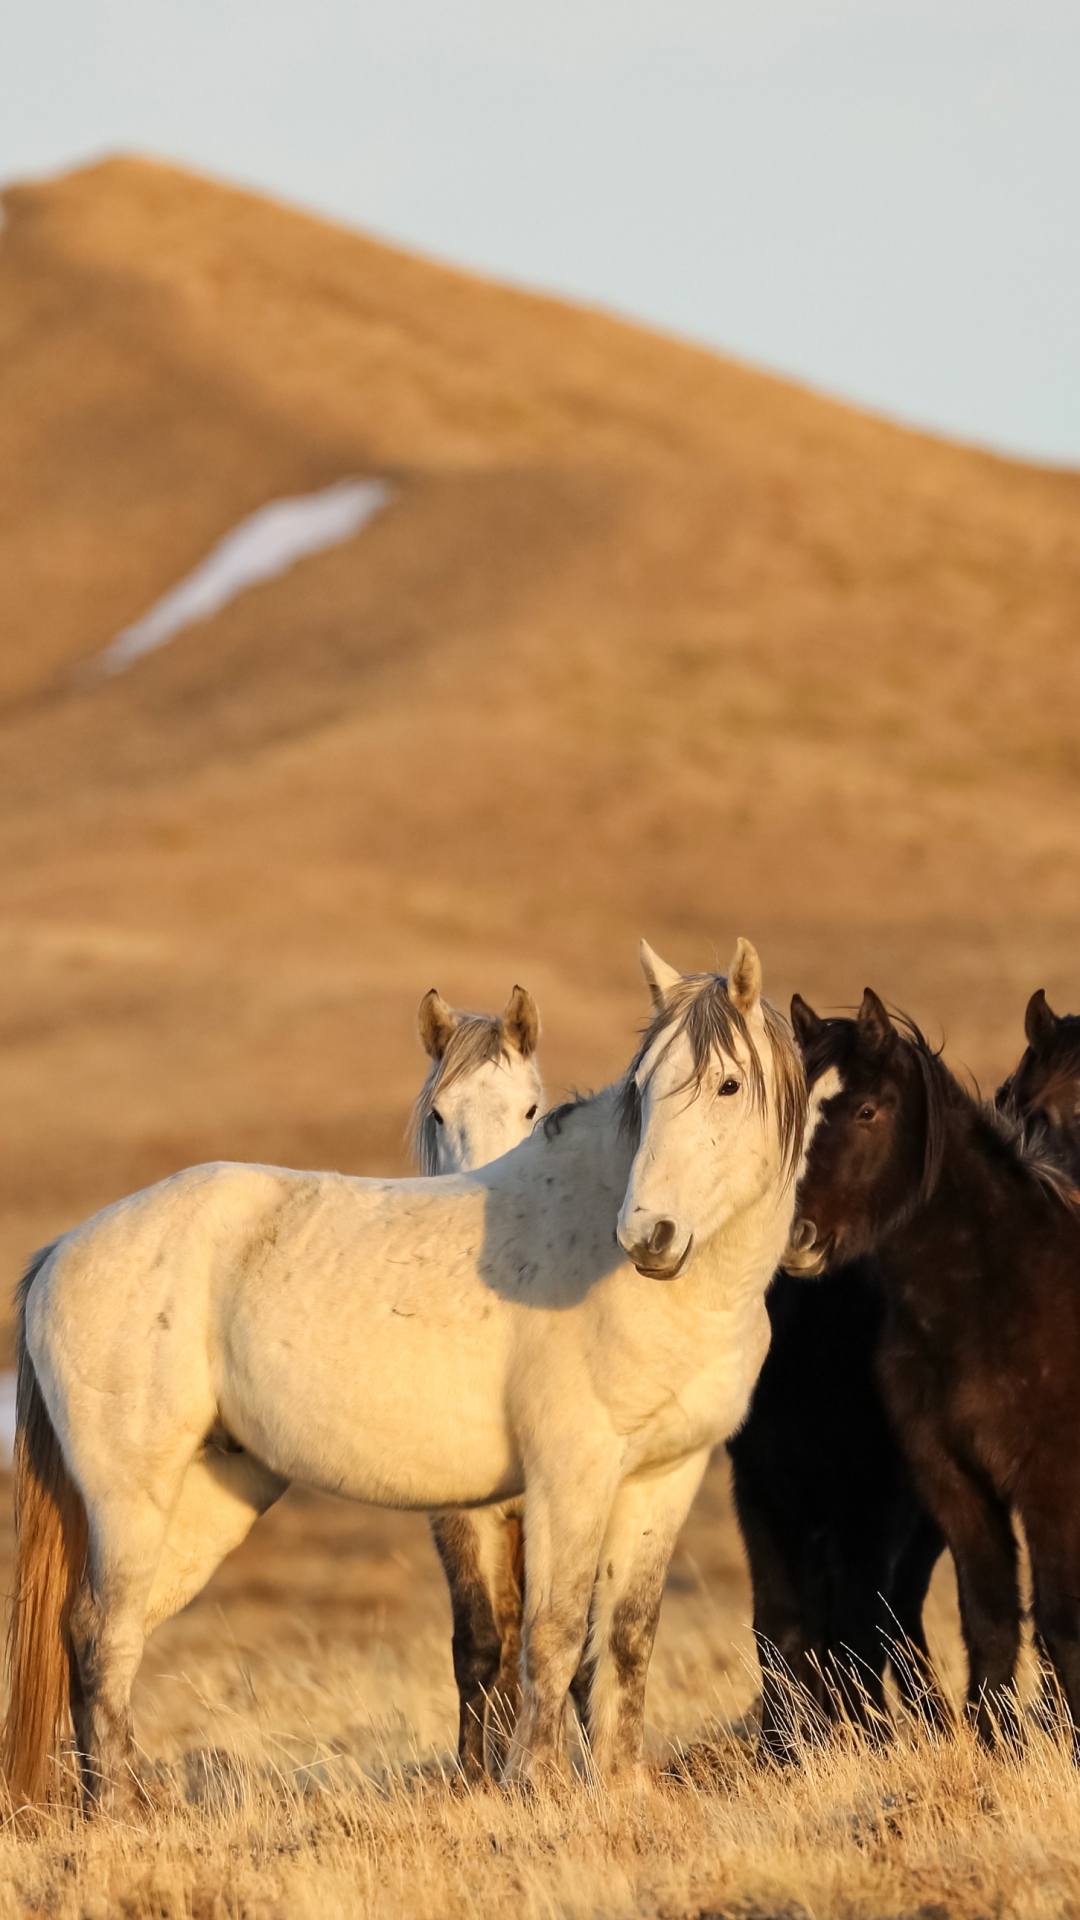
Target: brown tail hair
[[51, 1539]]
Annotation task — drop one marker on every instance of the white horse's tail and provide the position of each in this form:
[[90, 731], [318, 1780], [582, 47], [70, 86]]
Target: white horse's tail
[[51, 1540]]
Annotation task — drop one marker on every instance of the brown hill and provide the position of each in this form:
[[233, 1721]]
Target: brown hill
[[646, 642]]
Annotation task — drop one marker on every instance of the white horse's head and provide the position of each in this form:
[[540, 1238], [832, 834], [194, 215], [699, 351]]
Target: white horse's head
[[716, 1100], [483, 1089]]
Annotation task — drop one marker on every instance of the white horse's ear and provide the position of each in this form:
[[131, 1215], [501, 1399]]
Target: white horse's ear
[[521, 1022], [744, 978], [437, 1022], [659, 977]]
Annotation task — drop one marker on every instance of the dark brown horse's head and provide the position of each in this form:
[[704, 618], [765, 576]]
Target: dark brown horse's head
[[874, 1151], [1047, 1080]]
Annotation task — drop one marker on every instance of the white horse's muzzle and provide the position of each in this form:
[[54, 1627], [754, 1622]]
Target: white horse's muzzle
[[655, 1245]]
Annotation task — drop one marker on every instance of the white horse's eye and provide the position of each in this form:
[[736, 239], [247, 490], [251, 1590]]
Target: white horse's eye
[[729, 1086], [436, 1116], [531, 1115]]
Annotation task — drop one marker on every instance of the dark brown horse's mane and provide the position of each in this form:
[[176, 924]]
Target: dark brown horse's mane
[[1037, 1144], [1060, 1061], [699, 1007], [1030, 1142]]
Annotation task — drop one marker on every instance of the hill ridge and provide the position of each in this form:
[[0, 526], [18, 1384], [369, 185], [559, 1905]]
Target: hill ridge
[[646, 642]]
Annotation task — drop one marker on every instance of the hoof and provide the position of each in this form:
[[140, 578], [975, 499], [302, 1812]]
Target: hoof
[[702, 1766]]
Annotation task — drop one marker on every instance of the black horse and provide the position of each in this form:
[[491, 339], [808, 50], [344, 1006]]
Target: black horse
[[841, 1548], [975, 1231]]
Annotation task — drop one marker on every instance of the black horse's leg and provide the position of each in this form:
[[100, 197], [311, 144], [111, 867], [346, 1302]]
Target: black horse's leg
[[903, 1630], [791, 1685], [855, 1662]]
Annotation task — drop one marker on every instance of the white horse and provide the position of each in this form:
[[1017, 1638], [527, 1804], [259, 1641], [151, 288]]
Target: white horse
[[481, 1097], [579, 1323]]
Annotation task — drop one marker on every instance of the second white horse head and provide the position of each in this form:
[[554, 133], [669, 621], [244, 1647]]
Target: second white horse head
[[483, 1090]]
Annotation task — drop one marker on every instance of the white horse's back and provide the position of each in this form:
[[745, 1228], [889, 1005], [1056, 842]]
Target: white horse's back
[[355, 1334]]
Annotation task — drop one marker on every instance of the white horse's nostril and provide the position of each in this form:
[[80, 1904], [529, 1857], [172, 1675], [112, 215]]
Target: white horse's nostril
[[653, 1250], [662, 1236]]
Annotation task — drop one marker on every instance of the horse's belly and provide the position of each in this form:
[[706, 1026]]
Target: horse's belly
[[405, 1420], [442, 1465]]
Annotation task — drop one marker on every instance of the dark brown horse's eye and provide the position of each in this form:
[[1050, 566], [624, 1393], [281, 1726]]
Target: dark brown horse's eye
[[729, 1086], [866, 1113], [436, 1116], [531, 1115]]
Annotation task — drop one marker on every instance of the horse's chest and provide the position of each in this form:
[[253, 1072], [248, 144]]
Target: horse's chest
[[971, 1387], [689, 1392]]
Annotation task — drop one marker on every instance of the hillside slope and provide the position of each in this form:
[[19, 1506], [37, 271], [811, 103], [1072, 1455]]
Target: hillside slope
[[646, 641]]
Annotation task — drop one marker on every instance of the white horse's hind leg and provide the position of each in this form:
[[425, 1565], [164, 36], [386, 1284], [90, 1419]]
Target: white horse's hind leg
[[222, 1496], [645, 1522], [151, 1550], [108, 1632]]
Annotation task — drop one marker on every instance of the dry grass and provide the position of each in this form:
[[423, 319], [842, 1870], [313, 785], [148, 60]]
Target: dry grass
[[906, 1834], [297, 1724]]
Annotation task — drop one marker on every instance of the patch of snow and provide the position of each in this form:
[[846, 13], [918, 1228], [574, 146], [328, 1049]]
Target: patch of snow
[[265, 544]]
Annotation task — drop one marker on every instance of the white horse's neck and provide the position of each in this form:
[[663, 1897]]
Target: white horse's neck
[[584, 1129], [734, 1266]]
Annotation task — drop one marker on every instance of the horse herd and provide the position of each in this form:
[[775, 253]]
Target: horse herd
[[543, 1345]]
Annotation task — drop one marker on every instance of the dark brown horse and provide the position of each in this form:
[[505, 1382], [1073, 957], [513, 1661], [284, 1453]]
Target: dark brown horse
[[840, 1547], [975, 1232], [1046, 1084]]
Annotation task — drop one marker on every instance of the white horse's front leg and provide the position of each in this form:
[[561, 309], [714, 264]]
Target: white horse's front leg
[[637, 1547], [565, 1520]]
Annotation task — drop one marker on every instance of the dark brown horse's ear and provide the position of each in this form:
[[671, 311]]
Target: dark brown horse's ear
[[806, 1023], [1039, 1020], [436, 1022], [521, 1022], [876, 1030]]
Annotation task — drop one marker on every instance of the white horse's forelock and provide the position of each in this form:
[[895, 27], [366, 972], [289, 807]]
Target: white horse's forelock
[[700, 1008], [476, 1041]]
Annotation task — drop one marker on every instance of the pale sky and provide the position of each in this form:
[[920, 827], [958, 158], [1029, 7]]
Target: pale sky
[[881, 197]]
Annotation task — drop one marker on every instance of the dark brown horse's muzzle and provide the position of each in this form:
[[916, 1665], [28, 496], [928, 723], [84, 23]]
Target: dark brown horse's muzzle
[[805, 1254]]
